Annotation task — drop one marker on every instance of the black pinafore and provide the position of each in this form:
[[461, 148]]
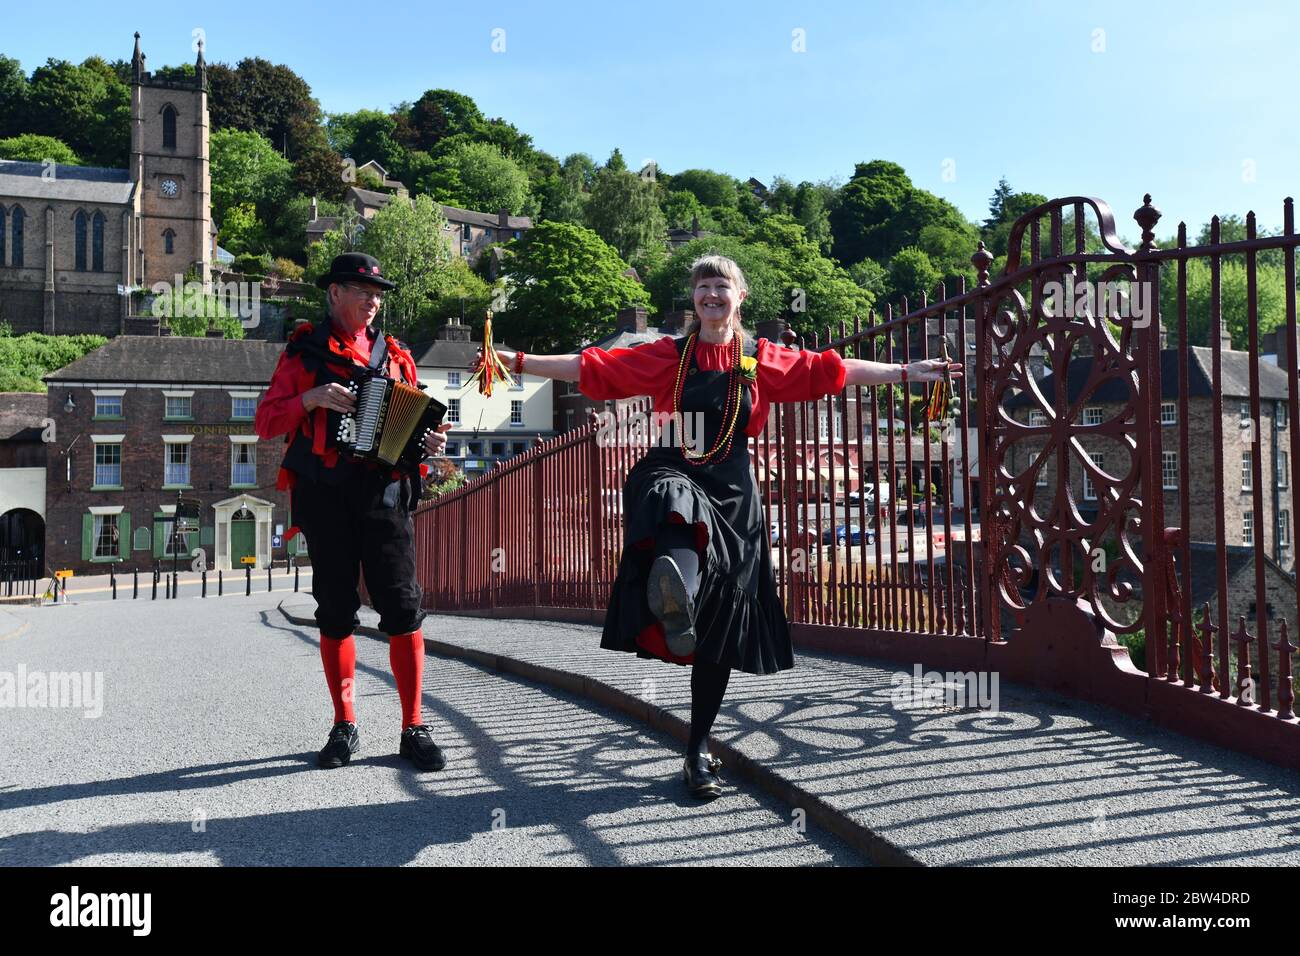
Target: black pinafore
[[739, 620]]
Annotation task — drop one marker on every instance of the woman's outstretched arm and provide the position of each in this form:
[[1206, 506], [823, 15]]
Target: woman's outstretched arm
[[564, 368], [863, 372]]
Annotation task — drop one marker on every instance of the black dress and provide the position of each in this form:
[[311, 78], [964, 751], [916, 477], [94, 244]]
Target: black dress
[[739, 620]]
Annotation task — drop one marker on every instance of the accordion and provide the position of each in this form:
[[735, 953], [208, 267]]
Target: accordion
[[389, 423]]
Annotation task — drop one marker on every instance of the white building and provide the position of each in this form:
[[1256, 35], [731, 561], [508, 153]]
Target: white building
[[485, 430]]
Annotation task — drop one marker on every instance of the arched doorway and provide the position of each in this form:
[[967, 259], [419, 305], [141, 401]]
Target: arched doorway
[[243, 536], [22, 537]]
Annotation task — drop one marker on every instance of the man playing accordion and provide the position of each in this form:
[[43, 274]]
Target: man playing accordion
[[353, 512]]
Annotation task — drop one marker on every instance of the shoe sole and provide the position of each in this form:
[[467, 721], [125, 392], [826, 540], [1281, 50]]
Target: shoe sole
[[671, 603], [405, 752], [708, 791], [334, 763]]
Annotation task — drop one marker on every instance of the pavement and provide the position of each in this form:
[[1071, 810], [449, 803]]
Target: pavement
[[904, 779], [198, 748], [560, 753]]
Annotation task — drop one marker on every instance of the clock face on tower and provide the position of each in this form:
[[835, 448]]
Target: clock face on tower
[[169, 188]]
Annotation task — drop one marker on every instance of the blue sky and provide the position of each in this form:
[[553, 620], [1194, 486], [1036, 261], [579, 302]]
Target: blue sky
[[1193, 101]]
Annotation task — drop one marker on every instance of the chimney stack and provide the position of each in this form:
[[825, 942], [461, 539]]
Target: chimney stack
[[771, 330], [631, 319], [675, 322], [454, 330]]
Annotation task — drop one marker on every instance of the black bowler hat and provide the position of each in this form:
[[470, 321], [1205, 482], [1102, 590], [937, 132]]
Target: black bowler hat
[[355, 267]]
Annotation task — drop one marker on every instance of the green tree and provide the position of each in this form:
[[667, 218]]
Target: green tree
[[259, 96], [26, 359], [910, 274], [566, 284], [477, 176], [436, 115], [408, 239], [35, 148], [710, 188], [87, 107], [241, 230], [13, 97], [364, 136], [624, 211], [247, 169], [1270, 293], [192, 312]]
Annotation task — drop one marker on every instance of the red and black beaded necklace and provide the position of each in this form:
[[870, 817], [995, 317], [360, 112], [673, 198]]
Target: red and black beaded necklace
[[730, 413]]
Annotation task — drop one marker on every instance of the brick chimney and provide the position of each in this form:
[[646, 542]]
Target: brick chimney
[[314, 216], [675, 322], [503, 218], [454, 330], [1285, 350], [631, 319]]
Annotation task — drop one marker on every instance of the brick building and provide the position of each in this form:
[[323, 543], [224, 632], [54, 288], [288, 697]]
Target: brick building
[[1235, 489], [144, 418]]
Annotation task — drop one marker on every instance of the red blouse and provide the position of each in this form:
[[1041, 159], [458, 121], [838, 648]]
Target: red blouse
[[784, 375]]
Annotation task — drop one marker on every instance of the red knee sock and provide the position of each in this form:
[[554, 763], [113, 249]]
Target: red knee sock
[[340, 660], [406, 655]]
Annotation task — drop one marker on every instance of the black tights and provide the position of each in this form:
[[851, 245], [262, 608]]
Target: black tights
[[708, 681]]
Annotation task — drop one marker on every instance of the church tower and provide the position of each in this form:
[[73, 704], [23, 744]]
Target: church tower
[[169, 165]]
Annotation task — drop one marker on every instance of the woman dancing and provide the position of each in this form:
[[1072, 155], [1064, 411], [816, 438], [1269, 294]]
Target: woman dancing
[[694, 584]]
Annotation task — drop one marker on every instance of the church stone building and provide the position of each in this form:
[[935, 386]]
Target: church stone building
[[74, 238]]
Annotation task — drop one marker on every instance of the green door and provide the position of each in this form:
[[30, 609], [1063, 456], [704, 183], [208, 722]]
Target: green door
[[243, 537]]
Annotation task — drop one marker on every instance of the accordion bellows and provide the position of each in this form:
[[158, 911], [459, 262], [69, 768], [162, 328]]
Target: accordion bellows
[[390, 421]]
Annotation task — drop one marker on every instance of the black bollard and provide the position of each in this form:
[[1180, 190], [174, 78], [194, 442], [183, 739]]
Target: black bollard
[[248, 580], [295, 576], [135, 583], [155, 589], [268, 577], [112, 580], [176, 585], [218, 582], [205, 583]]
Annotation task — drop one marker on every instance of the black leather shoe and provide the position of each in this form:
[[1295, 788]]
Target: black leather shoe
[[418, 747], [671, 603], [701, 775], [343, 742]]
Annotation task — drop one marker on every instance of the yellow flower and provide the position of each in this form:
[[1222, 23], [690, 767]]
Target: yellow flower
[[749, 367]]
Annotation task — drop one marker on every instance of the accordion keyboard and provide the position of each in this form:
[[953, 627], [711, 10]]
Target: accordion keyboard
[[370, 406]]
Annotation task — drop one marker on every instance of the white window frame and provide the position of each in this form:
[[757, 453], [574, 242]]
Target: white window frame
[[1037, 418], [453, 379], [1248, 527], [107, 444], [453, 410], [1247, 472], [516, 413], [236, 441], [170, 394], [1093, 415], [1284, 527], [1169, 470], [1090, 489], [97, 530], [168, 442], [1168, 413], [1284, 469], [243, 396]]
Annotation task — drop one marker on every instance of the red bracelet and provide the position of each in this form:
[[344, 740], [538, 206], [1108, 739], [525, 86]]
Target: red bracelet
[[903, 380], [519, 363]]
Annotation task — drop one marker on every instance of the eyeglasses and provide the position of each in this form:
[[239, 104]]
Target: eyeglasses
[[364, 290]]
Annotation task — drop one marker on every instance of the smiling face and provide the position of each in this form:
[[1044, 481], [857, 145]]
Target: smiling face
[[354, 305], [717, 300]]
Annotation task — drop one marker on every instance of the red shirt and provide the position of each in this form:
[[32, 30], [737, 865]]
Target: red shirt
[[281, 411], [784, 375]]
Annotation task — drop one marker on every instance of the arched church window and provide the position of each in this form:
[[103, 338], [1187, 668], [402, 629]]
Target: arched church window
[[16, 257], [169, 241], [97, 242], [169, 127], [79, 240]]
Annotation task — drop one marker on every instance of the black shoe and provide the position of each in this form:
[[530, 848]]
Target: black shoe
[[343, 743], [701, 775], [671, 603], [418, 747]]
